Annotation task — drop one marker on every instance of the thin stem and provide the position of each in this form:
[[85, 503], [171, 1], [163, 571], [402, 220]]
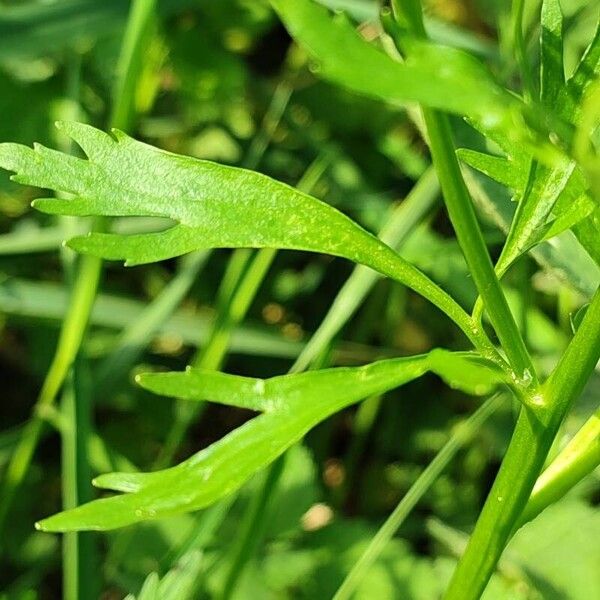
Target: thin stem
[[136, 335], [243, 276], [130, 62], [274, 114], [470, 238], [78, 547], [362, 425], [461, 436], [518, 7], [252, 528], [463, 218], [361, 284], [216, 349], [70, 338], [82, 299], [398, 228], [240, 283], [532, 439]]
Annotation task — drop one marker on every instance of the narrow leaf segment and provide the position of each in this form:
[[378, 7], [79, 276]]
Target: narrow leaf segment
[[290, 405]]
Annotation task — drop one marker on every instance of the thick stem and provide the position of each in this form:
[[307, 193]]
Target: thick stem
[[578, 459], [534, 434]]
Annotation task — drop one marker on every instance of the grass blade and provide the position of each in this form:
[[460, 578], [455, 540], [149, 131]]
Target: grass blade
[[461, 436]]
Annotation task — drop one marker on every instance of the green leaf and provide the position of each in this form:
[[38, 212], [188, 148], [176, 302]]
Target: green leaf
[[512, 174], [177, 584], [465, 371], [549, 194], [31, 29], [291, 405], [585, 74], [546, 194], [552, 72], [149, 590], [435, 76], [180, 582], [560, 551], [534, 210], [579, 458], [214, 206], [577, 317], [581, 208]]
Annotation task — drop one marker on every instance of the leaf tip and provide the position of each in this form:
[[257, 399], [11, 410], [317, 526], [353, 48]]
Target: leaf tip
[[42, 204], [11, 157]]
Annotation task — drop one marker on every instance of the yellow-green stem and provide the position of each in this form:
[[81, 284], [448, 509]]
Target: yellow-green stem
[[532, 439]]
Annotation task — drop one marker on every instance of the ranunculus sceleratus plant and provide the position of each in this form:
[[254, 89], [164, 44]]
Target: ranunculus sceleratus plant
[[545, 158]]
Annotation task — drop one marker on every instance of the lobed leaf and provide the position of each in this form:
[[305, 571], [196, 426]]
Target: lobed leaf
[[552, 197], [293, 404], [553, 200], [507, 171], [290, 406], [435, 76], [213, 206]]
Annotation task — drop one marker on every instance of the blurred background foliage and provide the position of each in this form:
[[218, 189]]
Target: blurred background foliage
[[221, 81]]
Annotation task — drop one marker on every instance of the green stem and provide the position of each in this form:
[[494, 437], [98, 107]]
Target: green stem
[[532, 439], [517, 10], [69, 341], [398, 228], [470, 238], [362, 425], [215, 351], [462, 435], [274, 114], [138, 333], [239, 285], [84, 288], [131, 60], [578, 459], [78, 547], [465, 224], [252, 528], [361, 284]]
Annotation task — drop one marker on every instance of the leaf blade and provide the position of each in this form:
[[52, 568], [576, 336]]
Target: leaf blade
[[346, 59], [218, 470], [213, 206]]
